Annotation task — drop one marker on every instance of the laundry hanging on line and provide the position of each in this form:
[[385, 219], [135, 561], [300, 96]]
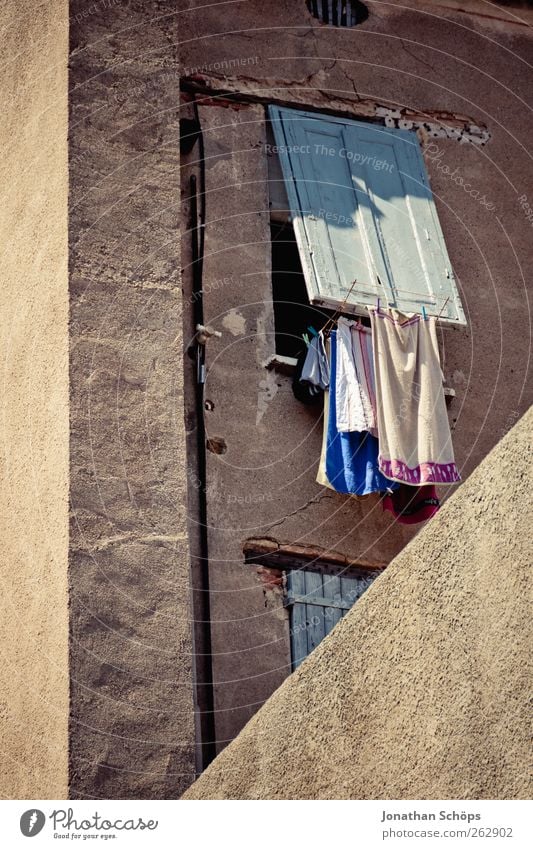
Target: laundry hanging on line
[[350, 458], [310, 390], [412, 504], [386, 382], [315, 369], [355, 391], [415, 445]]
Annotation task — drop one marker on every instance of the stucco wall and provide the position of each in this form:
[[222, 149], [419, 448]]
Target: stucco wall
[[132, 705], [421, 691], [34, 400], [451, 68]]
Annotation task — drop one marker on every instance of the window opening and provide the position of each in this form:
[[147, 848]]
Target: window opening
[[316, 602], [292, 311], [338, 13]]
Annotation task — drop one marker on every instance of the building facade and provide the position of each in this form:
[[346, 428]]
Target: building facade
[[194, 506], [436, 73]]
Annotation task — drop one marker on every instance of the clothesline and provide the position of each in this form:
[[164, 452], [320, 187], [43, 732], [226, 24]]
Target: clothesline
[[338, 312]]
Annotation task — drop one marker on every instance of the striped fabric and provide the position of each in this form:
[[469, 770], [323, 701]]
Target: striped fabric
[[355, 385]]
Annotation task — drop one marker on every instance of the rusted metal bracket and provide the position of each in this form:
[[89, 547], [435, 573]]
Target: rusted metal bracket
[[203, 333]]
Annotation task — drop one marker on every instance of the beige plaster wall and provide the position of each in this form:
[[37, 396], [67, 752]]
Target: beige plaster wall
[[434, 704], [34, 400]]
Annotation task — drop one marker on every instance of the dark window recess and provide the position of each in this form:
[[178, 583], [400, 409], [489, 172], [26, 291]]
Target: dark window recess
[[316, 603], [189, 134], [338, 13], [292, 310]]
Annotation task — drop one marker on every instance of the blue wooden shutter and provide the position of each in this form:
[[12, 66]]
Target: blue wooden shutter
[[317, 602], [362, 209]]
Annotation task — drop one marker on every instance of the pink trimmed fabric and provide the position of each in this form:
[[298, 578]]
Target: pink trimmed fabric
[[415, 445], [425, 473]]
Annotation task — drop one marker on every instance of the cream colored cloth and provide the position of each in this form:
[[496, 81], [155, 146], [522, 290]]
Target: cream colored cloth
[[415, 445], [321, 476]]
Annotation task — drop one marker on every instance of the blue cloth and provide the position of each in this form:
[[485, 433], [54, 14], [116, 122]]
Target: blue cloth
[[352, 457]]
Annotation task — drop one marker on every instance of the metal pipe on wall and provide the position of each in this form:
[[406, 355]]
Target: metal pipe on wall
[[201, 597]]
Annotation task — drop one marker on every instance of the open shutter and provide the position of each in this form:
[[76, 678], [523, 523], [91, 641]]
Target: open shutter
[[317, 602], [362, 209]]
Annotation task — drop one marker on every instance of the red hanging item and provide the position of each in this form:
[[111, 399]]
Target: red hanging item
[[409, 504]]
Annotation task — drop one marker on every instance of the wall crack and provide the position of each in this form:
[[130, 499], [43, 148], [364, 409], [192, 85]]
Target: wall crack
[[316, 499]]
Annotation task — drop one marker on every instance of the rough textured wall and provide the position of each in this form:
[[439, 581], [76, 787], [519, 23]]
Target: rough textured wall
[[132, 713], [34, 400], [421, 691], [442, 63]]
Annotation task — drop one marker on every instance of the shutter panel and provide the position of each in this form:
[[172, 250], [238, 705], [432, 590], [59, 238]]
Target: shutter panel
[[332, 589], [362, 209], [317, 602], [332, 232], [298, 623]]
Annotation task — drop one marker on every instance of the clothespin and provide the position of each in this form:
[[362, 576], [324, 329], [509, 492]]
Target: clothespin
[[312, 331], [305, 337], [424, 313]]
